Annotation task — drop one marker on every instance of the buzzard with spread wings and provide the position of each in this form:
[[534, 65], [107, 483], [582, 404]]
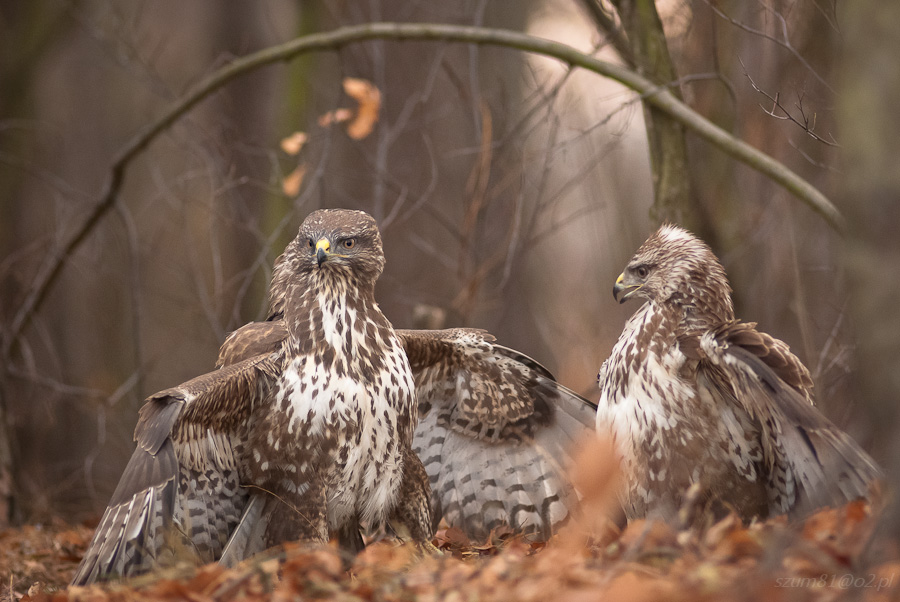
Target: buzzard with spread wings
[[324, 419], [705, 406]]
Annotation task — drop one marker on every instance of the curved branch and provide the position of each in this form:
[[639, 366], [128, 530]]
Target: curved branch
[[657, 96]]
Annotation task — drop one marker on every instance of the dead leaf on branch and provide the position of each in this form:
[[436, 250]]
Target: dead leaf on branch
[[361, 122], [369, 98], [335, 116], [293, 143], [292, 182]]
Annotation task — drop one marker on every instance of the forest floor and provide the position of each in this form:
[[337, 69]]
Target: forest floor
[[829, 556]]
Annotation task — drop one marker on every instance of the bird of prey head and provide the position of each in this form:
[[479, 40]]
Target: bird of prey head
[[673, 266], [331, 242], [340, 238]]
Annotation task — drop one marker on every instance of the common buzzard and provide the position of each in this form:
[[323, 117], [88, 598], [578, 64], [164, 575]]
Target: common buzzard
[[307, 429], [700, 402]]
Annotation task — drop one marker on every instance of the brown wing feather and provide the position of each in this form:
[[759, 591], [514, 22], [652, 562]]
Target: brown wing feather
[[495, 428], [182, 472], [819, 464], [775, 354], [254, 338], [495, 433]]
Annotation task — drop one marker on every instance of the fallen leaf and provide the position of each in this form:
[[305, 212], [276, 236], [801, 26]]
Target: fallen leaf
[[633, 587], [648, 534]]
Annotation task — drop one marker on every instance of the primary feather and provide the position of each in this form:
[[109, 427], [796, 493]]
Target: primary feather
[[181, 490]]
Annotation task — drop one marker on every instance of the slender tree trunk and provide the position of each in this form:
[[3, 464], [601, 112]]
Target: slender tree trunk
[[668, 150]]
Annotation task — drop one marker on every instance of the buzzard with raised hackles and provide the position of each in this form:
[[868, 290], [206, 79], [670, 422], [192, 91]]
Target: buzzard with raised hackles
[[707, 408], [308, 429]]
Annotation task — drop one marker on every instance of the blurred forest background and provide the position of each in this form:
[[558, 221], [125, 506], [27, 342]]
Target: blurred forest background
[[511, 190]]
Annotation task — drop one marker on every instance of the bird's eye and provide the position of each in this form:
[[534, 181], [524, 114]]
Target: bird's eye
[[642, 271], [311, 243], [349, 243]]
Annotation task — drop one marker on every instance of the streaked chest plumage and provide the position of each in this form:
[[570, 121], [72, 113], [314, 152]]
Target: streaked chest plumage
[[669, 430], [346, 401]]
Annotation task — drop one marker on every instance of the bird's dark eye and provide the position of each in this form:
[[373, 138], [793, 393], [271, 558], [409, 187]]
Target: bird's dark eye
[[642, 271], [311, 243], [349, 243]]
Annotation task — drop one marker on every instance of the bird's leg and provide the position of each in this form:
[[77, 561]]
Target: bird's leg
[[403, 533], [411, 518], [299, 517], [350, 541]]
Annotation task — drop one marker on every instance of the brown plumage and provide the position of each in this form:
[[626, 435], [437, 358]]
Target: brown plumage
[[311, 439], [182, 491], [699, 401], [308, 427], [495, 432]]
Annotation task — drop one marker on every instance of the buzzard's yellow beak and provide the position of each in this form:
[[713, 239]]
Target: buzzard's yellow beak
[[323, 248], [620, 287]]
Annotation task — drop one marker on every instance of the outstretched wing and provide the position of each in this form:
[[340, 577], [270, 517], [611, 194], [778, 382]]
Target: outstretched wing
[[181, 487], [495, 433], [811, 462], [495, 429]]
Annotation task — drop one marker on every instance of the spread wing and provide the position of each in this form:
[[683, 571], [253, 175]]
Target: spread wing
[[495, 428], [181, 486], [495, 433], [812, 463]]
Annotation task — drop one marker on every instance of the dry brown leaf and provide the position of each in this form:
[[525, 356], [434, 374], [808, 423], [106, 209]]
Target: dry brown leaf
[[595, 470], [842, 532], [368, 97], [729, 540], [631, 586], [740, 543], [292, 182], [649, 534], [293, 143], [452, 537], [821, 526]]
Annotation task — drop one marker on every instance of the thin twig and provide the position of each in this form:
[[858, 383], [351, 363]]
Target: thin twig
[[803, 121], [785, 43]]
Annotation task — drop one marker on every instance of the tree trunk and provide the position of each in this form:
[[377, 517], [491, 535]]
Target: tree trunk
[[673, 200]]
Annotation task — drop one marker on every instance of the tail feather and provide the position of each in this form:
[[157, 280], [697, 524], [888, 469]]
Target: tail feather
[[129, 538], [830, 468], [248, 537], [481, 485]]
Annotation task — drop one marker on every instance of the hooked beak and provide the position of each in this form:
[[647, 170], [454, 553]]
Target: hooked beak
[[323, 249], [619, 288]]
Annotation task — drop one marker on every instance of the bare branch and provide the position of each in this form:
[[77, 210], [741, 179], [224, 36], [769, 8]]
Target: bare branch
[[785, 43], [803, 121], [605, 20], [657, 96]]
